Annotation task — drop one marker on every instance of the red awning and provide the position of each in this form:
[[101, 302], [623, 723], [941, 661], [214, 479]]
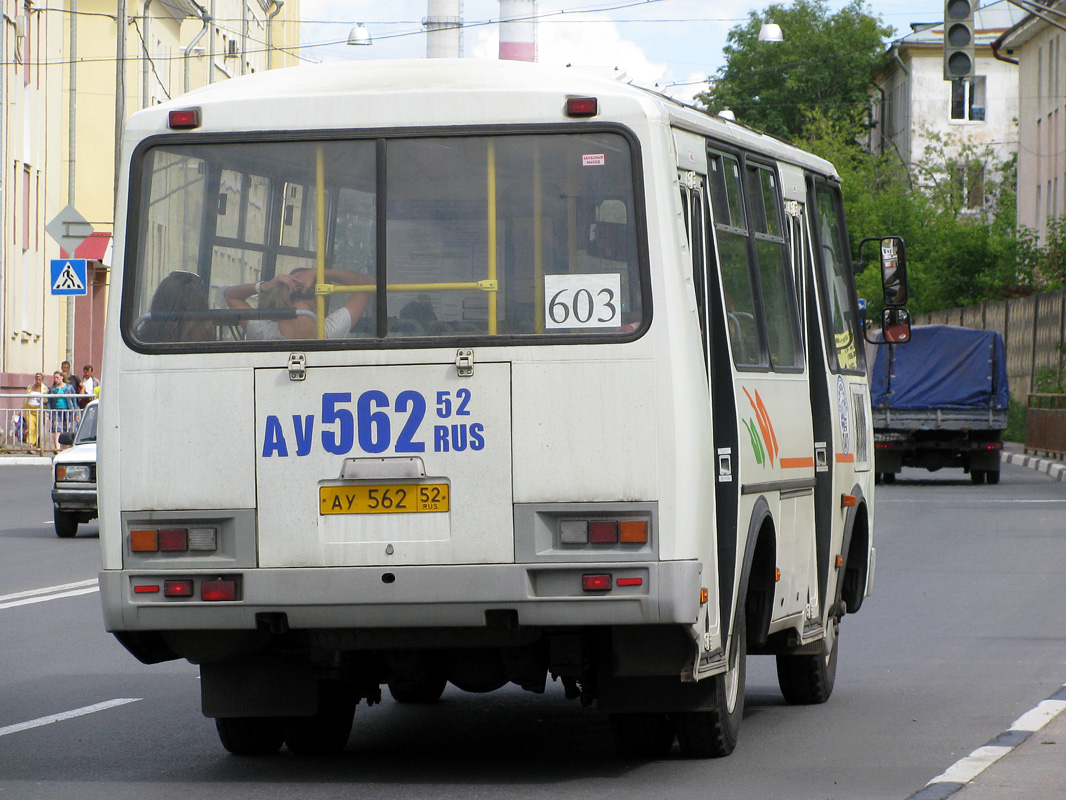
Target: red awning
[[92, 249]]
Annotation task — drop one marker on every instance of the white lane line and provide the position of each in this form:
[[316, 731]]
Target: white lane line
[[65, 715], [966, 769], [1040, 716], [48, 593]]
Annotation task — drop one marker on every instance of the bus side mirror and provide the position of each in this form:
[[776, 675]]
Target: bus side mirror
[[896, 325], [894, 271], [893, 256]]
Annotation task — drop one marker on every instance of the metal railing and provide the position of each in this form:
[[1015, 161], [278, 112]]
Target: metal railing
[[35, 430], [1045, 424]]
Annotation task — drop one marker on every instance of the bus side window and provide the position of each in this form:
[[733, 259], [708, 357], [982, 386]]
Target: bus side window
[[732, 237], [779, 303]]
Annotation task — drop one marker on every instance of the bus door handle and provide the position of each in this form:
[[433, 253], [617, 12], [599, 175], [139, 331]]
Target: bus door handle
[[725, 464], [821, 457]]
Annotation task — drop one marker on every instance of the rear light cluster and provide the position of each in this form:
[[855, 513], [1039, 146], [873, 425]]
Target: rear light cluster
[[603, 531], [213, 590], [173, 540]]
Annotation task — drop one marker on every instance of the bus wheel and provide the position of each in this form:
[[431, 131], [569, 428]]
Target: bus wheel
[[250, 736], [66, 523], [713, 734], [977, 476], [642, 736], [327, 731], [425, 690], [809, 679]]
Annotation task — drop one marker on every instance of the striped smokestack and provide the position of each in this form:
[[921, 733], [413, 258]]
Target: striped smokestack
[[518, 30]]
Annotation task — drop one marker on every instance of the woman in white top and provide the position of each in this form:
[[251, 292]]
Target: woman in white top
[[296, 290]]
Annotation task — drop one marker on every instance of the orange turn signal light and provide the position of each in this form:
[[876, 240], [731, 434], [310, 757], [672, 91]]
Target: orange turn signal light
[[633, 531], [146, 541], [848, 500]]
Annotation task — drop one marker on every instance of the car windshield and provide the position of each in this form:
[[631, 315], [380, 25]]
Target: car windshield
[[87, 429]]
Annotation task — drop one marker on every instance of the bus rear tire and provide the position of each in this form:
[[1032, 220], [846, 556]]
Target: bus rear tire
[[714, 734], [809, 679], [327, 731], [642, 736], [425, 690], [250, 736]]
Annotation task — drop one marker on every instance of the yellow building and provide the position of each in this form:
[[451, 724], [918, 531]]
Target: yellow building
[[62, 101]]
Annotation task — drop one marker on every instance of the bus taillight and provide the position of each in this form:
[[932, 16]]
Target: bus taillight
[[603, 531], [596, 583], [582, 106], [218, 590]]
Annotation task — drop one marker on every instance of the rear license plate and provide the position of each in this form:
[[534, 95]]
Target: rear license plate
[[383, 498]]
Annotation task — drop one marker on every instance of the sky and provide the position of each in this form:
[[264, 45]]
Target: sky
[[671, 45]]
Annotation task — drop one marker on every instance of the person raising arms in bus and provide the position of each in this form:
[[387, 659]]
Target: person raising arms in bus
[[295, 291]]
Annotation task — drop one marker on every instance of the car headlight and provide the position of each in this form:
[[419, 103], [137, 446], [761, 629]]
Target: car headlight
[[74, 472]]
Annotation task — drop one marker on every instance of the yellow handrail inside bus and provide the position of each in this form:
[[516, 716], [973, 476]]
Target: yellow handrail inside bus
[[324, 289], [491, 191], [320, 222]]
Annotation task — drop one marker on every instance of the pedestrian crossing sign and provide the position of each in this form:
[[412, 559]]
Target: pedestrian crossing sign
[[69, 276]]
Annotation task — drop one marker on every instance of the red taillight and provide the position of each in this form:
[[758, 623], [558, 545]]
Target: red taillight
[[596, 583], [184, 119], [629, 582], [173, 540], [582, 106], [177, 588], [218, 590], [603, 531], [146, 589]]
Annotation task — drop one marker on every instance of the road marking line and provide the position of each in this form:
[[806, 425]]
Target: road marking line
[[49, 593], [77, 712], [967, 769]]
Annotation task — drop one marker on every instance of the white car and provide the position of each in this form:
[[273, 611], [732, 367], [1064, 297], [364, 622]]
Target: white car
[[74, 477]]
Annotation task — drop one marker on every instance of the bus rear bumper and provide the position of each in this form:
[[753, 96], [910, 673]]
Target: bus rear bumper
[[468, 596]]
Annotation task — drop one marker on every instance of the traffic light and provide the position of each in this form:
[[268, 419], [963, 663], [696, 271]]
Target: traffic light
[[958, 39]]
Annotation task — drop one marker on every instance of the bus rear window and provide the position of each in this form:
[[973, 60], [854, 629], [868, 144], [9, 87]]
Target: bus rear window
[[363, 240]]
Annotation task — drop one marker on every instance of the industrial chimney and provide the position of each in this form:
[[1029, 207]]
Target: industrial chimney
[[518, 30], [444, 23]]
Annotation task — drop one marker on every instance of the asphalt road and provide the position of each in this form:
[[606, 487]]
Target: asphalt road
[[963, 634]]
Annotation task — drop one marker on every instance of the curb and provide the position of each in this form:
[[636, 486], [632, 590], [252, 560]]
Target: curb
[[36, 461], [1052, 469], [964, 771]]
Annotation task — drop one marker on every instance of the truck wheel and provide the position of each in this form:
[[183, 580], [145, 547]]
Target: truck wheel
[[327, 731], [713, 734], [977, 476], [66, 523], [426, 690], [809, 679], [250, 736], [642, 736], [992, 476]]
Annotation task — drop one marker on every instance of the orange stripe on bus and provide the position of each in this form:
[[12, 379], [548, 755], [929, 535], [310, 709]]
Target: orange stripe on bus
[[845, 458], [796, 463]]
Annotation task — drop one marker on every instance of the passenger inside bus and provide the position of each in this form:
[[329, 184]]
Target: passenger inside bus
[[177, 300], [296, 291]]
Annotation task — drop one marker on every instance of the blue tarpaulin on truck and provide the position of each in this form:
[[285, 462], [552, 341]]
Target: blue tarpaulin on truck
[[942, 366]]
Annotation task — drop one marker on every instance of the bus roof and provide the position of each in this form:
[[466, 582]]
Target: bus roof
[[442, 92]]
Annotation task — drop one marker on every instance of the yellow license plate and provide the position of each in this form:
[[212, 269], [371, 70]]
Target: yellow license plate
[[383, 498]]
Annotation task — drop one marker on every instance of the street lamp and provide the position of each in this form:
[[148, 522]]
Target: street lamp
[[359, 35], [770, 32]]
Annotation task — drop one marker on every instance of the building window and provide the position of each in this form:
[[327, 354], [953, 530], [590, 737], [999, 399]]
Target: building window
[[968, 99], [968, 183], [26, 208]]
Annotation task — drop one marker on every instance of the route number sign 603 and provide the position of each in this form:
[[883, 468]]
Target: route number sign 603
[[582, 301]]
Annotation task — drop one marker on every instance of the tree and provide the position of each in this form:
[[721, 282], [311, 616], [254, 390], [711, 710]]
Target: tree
[[825, 64]]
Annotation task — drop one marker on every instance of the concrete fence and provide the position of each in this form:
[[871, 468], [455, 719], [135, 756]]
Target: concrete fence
[[1033, 330]]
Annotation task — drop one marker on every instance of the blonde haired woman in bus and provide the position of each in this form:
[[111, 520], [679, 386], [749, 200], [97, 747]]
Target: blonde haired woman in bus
[[296, 290]]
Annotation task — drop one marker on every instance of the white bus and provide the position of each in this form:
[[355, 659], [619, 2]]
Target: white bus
[[483, 373]]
